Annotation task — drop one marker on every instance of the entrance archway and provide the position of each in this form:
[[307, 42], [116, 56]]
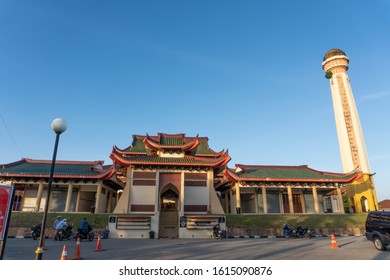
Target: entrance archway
[[169, 212], [364, 203]]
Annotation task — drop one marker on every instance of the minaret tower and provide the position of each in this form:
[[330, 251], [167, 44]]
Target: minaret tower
[[349, 131]]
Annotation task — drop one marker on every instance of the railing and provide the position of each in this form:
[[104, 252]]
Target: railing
[[132, 223], [200, 222]]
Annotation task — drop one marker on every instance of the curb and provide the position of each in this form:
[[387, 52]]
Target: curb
[[234, 236], [280, 236]]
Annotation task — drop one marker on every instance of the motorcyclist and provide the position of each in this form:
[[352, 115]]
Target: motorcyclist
[[84, 226], [286, 227], [56, 221], [217, 231], [60, 225]]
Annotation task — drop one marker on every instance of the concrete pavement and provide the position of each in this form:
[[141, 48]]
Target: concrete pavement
[[319, 248]]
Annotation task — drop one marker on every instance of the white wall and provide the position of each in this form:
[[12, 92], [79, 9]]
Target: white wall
[[143, 195], [196, 196]]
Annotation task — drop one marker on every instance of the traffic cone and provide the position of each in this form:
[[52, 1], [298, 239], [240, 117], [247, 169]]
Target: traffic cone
[[64, 254], [334, 244], [76, 255], [98, 245]]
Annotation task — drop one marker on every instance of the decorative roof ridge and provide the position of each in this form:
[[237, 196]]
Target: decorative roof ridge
[[224, 155], [28, 160], [340, 177], [231, 175], [154, 145], [354, 172], [243, 166], [108, 173], [215, 154], [214, 162], [156, 137], [333, 173], [176, 135], [115, 149], [6, 165], [138, 136]]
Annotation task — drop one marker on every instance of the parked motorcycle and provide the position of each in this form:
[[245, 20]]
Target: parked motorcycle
[[36, 231], [217, 232], [288, 231], [66, 232], [304, 232], [89, 235]]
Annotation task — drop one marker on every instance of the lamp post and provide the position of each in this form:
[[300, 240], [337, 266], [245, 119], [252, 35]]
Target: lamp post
[[59, 126]]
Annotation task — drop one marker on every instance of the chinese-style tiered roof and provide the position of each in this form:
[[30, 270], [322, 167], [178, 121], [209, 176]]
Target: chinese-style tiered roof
[[164, 142], [182, 150], [302, 173], [30, 168]]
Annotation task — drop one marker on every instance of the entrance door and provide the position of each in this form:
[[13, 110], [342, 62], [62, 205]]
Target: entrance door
[[297, 203], [169, 214]]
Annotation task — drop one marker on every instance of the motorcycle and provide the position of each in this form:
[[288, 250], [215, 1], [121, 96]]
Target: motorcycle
[[288, 231], [217, 232], [85, 235], [304, 232], [36, 231], [66, 232]]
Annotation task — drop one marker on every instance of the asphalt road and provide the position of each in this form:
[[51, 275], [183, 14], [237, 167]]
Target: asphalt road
[[319, 248]]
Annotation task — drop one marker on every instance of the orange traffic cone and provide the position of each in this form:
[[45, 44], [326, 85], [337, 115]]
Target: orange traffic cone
[[98, 245], [76, 255], [64, 254], [334, 244]]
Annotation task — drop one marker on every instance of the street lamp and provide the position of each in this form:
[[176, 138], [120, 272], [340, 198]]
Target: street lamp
[[59, 126]]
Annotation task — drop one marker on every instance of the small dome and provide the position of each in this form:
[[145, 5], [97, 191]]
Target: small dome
[[333, 52]]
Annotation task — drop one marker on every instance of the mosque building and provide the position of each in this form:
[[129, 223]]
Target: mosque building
[[174, 183]]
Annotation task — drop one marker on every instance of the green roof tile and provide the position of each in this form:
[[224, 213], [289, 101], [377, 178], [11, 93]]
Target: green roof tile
[[281, 172], [43, 168], [171, 141], [137, 146]]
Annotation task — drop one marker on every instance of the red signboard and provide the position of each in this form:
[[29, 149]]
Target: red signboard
[[6, 193]]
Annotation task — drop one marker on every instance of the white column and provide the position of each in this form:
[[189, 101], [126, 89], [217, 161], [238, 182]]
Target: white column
[[98, 197], [182, 194], [238, 198], [39, 197], [78, 199], [231, 201], [315, 198], [340, 199], [68, 197], [264, 194], [157, 194], [227, 202], [210, 187], [290, 199]]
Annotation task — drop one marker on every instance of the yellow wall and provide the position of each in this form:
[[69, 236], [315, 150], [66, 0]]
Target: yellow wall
[[364, 187]]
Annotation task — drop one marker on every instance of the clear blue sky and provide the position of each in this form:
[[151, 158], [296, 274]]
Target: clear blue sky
[[247, 74]]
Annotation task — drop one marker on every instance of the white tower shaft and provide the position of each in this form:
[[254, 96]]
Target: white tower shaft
[[349, 131]]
